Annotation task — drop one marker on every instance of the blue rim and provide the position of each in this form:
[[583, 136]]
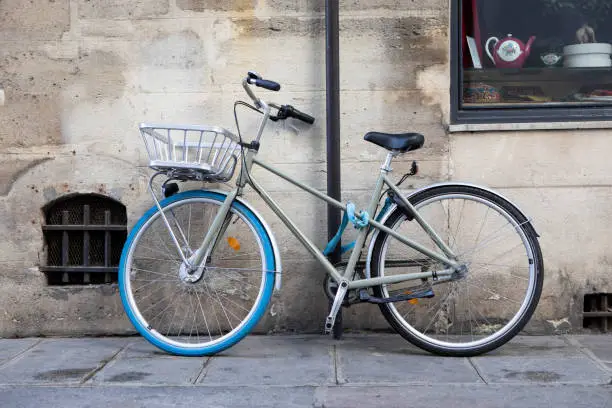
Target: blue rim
[[260, 307]]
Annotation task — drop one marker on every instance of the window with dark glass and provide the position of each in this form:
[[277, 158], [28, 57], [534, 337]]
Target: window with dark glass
[[531, 60], [84, 236]]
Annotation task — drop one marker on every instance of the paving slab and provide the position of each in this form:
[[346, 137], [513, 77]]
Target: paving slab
[[273, 360], [476, 395], [11, 348], [473, 396], [60, 361], [158, 371], [536, 370], [392, 360], [279, 346], [226, 396], [537, 346], [138, 347], [599, 345]]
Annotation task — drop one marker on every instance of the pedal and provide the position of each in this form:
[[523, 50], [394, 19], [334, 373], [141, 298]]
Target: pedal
[[329, 324]]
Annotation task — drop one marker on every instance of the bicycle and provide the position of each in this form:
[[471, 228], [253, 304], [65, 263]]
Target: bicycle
[[198, 269]]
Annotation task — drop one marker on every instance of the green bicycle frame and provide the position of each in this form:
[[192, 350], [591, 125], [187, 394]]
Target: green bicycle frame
[[246, 177]]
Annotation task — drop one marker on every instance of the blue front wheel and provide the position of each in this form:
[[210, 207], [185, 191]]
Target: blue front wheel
[[201, 312]]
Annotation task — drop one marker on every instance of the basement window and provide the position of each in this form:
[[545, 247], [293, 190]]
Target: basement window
[[531, 61], [84, 235], [597, 313]]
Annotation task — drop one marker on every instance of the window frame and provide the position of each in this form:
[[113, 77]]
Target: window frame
[[499, 115]]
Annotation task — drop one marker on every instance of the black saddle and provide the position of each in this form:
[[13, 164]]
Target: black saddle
[[403, 142]]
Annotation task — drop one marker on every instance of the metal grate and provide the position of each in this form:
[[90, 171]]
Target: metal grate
[[85, 236], [597, 311]]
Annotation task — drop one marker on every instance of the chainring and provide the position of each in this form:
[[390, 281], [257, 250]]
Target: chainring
[[330, 287]]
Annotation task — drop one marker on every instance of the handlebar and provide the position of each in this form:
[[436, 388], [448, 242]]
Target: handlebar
[[288, 111], [264, 83], [284, 111]]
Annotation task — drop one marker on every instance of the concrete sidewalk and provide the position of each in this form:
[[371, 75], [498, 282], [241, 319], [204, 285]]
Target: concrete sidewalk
[[297, 371]]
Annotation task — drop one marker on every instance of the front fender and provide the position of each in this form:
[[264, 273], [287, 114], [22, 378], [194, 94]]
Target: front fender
[[429, 187]]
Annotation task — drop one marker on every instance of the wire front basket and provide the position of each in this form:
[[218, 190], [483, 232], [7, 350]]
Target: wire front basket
[[191, 152]]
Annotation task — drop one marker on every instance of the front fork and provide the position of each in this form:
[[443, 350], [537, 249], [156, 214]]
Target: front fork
[[222, 219], [192, 262], [218, 227]]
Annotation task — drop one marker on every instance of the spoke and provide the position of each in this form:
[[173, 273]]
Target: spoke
[[491, 238], [500, 265], [508, 251], [439, 309], [480, 313], [470, 315], [167, 249], [188, 250], [171, 320], [239, 280], [153, 280], [234, 303], [490, 269], [189, 228], [152, 306], [203, 315], [218, 268], [222, 308], [150, 294], [230, 312], [184, 319], [176, 260], [150, 282], [417, 262], [410, 310], [458, 224], [166, 308], [154, 250], [433, 319], [193, 321], [209, 298], [153, 272], [486, 289], [238, 256], [482, 225]]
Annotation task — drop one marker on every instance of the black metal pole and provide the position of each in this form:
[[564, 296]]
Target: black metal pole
[[332, 57]]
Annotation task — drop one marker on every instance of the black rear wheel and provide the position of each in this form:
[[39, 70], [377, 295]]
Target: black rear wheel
[[494, 298]]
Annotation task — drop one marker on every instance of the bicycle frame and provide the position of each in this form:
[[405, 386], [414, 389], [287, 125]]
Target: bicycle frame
[[246, 177], [345, 280]]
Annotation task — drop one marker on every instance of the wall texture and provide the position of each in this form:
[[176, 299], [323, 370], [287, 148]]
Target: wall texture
[[77, 76]]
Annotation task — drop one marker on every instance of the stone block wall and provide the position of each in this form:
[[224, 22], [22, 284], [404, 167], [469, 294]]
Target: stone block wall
[[77, 76]]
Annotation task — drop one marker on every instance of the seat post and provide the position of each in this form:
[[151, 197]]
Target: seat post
[[387, 164]]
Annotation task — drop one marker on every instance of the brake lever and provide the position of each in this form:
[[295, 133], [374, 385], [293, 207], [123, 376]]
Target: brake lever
[[280, 115]]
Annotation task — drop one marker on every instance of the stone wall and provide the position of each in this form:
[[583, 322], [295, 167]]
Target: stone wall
[[79, 75]]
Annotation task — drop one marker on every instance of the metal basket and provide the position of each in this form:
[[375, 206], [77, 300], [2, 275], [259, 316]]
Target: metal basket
[[192, 152]]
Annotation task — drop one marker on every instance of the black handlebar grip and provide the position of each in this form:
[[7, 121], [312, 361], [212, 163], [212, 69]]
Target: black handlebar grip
[[301, 116], [270, 85]]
